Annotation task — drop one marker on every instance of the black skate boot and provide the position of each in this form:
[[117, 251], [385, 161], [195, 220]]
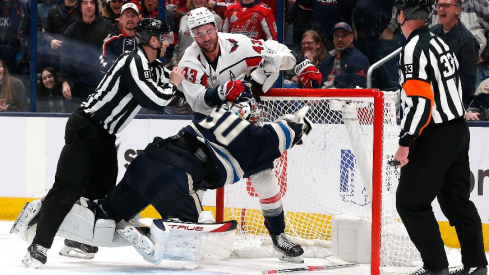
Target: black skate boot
[[287, 250], [36, 256], [74, 249], [481, 270], [428, 272]]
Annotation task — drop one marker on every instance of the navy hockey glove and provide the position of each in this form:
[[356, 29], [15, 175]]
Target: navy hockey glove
[[235, 90], [308, 74]]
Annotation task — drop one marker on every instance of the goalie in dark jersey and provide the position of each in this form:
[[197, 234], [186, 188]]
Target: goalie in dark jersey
[[215, 149]]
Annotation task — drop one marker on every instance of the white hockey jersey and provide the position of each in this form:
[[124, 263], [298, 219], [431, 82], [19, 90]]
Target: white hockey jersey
[[238, 56]]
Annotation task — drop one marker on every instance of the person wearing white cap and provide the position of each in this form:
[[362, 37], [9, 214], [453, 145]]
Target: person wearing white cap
[[122, 40]]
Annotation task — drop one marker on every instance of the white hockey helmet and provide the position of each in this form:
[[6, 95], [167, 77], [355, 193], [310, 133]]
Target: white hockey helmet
[[248, 110], [199, 17]]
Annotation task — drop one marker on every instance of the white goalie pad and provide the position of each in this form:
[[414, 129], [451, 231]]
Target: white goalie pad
[[80, 225], [197, 242]]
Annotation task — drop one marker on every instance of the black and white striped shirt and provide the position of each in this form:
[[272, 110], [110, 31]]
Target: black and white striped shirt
[[131, 83], [431, 88]]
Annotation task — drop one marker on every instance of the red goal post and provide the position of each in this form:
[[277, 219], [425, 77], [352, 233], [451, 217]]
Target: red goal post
[[352, 123]]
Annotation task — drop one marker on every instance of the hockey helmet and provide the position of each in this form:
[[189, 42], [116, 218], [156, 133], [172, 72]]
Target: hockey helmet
[[148, 27], [199, 17], [414, 9], [248, 110]]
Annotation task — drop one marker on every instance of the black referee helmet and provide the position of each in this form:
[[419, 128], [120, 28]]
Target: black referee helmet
[[148, 27], [414, 9]]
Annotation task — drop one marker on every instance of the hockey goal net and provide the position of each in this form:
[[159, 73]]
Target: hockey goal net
[[341, 169]]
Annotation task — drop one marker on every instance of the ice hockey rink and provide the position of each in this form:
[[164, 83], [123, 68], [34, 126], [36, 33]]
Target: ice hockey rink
[[125, 260]]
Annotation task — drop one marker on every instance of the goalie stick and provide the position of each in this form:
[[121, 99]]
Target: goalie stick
[[306, 268]]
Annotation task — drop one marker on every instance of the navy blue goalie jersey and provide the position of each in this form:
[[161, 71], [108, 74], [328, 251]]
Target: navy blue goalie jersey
[[239, 148]]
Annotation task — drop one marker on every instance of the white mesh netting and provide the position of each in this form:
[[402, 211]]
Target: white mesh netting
[[325, 177]]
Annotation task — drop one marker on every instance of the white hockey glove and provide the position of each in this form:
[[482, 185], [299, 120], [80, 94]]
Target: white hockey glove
[[299, 117], [270, 66]]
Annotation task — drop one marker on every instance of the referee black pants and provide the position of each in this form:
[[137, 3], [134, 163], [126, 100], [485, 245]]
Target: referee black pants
[[86, 167], [439, 168]]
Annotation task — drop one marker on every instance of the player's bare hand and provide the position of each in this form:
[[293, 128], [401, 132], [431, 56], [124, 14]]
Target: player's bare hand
[[402, 155], [3, 105], [472, 116], [56, 44], [176, 76], [66, 90]]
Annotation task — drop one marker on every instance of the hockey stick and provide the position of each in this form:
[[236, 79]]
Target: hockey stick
[[306, 268]]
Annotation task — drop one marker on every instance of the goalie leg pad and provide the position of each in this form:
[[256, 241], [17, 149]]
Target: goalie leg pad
[[25, 219], [148, 242], [80, 225]]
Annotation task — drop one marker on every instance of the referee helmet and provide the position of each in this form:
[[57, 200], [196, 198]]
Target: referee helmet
[[414, 9], [149, 27]]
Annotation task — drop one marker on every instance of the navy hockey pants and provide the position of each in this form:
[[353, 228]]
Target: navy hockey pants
[[151, 181]]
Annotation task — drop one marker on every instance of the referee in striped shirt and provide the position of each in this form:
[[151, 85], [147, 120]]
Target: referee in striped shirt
[[433, 146], [87, 165]]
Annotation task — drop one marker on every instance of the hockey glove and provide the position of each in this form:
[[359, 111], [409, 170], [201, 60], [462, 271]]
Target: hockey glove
[[235, 90], [308, 74]]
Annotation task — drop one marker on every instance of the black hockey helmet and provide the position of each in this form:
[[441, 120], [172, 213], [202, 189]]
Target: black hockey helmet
[[148, 27], [414, 9]]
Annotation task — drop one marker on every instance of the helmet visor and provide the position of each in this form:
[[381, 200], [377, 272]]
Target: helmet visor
[[166, 37]]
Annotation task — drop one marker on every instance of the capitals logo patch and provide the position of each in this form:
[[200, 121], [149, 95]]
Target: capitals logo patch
[[235, 45]]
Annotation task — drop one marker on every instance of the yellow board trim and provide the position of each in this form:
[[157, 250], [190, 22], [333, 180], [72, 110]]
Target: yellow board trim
[[10, 208]]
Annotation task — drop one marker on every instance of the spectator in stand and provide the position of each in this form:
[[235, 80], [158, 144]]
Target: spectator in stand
[[479, 108], [300, 15], [14, 34], [312, 49], [43, 46], [325, 14], [376, 38], [83, 40], [122, 40], [461, 42], [112, 11], [475, 17], [345, 66], [42, 12], [184, 37], [49, 96], [251, 18], [13, 97], [60, 16], [220, 6]]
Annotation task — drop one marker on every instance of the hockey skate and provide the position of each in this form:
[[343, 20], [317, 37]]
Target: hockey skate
[[77, 250], [482, 270], [287, 250], [36, 256], [26, 218]]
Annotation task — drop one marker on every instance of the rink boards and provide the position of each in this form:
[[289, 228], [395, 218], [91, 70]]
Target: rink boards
[[30, 148]]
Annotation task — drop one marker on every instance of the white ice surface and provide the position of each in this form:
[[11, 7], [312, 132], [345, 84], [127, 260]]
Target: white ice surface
[[125, 260]]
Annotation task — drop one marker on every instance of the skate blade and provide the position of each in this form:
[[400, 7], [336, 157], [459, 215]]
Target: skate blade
[[285, 258], [30, 262], [71, 252], [16, 226], [126, 234]]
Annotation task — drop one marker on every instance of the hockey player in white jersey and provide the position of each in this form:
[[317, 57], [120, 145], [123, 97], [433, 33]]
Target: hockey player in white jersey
[[215, 67], [216, 64]]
